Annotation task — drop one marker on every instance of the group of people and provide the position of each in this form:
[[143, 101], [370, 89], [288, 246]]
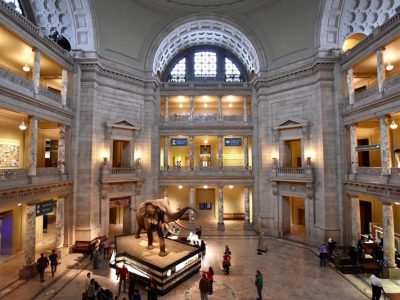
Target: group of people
[[206, 283], [326, 251], [43, 262]]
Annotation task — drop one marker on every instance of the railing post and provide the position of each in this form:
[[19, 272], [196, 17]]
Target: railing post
[[350, 85]]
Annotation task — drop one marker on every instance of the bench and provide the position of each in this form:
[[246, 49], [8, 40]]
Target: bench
[[233, 216], [86, 247]]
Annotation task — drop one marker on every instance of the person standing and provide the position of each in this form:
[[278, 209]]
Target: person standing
[[91, 292], [106, 248], [41, 265], [53, 257], [136, 295], [210, 277], [204, 287], [323, 252], [377, 287], [203, 249], [152, 290], [259, 284], [123, 275]]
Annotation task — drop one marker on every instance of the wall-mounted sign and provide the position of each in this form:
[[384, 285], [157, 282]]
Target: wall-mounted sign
[[233, 142], [180, 142], [124, 201], [368, 147], [45, 207]]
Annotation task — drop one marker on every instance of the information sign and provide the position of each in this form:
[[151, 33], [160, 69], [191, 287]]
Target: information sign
[[368, 147], [233, 142], [45, 207], [179, 142]]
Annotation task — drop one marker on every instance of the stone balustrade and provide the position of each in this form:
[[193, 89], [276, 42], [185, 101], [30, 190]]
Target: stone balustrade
[[47, 171], [206, 85], [185, 118], [369, 171], [285, 170], [12, 174], [43, 91], [206, 171], [370, 91], [118, 171], [395, 171]]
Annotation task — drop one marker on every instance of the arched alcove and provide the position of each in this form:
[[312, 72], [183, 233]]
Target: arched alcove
[[352, 40]]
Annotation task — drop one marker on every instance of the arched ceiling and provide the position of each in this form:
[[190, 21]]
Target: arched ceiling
[[206, 32]]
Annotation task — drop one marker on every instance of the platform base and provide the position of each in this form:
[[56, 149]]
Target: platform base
[[391, 273], [28, 272]]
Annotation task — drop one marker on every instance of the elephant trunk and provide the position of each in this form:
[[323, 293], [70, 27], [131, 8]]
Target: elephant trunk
[[177, 215]]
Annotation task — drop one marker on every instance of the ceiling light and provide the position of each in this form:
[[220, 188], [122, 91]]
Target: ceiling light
[[206, 141], [19, 204], [26, 68], [230, 104], [389, 67], [180, 105], [206, 186], [22, 126], [180, 187], [393, 125], [231, 186], [397, 203], [205, 104]]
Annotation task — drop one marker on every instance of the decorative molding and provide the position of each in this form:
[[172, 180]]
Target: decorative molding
[[123, 124], [382, 191]]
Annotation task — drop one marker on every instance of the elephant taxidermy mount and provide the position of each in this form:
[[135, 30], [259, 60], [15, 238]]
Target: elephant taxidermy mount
[[154, 215]]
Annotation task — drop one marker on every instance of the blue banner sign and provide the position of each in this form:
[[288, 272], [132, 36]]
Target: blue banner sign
[[179, 142], [233, 142], [43, 208]]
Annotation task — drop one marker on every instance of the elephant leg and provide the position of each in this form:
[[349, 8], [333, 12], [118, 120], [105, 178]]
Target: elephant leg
[[161, 240], [138, 230], [149, 237]]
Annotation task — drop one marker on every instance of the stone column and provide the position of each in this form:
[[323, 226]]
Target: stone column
[[350, 85], [29, 268], [220, 154], [246, 152], [191, 117], [191, 153], [220, 205], [380, 70], [64, 87], [166, 153], [386, 158], [132, 212], [353, 150], [192, 204], [36, 72], [60, 222], [245, 114], [166, 117], [32, 150], [220, 117], [246, 205], [61, 149], [388, 235], [165, 191], [356, 220]]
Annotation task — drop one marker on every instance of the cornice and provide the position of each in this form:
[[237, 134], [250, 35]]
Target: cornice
[[296, 74]]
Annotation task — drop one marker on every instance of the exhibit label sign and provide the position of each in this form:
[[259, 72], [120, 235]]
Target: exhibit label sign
[[179, 142], [233, 142], [43, 208], [368, 147]]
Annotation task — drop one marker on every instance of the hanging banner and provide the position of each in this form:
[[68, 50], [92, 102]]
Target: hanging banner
[[179, 142], [234, 142], [368, 147], [45, 207]]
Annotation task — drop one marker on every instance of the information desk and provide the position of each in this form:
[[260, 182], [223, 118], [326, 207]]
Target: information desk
[[182, 261]]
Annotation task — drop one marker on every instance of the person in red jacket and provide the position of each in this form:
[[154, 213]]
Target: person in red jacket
[[210, 277], [123, 276]]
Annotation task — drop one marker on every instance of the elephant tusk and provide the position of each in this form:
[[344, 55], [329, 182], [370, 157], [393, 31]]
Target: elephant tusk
[[169, 230], [179, 224]]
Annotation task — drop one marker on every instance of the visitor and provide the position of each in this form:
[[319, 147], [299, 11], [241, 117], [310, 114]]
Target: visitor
[[136, 295], [203, 249], [227, 251], [152, 289], [53, 257], [353, 257], [204, 287], [361, 249], [106, 248], [131, 289], [226, 263], [198, 232], [123, 275], [377, 287], [210, 277], [87, 283], [95, 257], [259, 282], [323, 252], [331, 246], [91, 292], [41, 265]]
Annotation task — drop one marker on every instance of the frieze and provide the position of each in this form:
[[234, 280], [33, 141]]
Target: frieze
[[33, 192], [293, 188], [117, 188]]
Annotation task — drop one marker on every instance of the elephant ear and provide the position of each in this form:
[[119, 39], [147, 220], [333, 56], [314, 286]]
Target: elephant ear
[[151, 213]]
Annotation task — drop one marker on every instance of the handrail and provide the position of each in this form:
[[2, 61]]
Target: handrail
[[290, 170], [369, 170], [116, 171]]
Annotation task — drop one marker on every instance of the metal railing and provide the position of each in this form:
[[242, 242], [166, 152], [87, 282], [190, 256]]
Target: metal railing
[[118, 171]]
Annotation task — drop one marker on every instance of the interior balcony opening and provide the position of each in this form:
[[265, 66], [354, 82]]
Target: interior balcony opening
[[121, 154], [291, 157], [293, 218], [119, 216]]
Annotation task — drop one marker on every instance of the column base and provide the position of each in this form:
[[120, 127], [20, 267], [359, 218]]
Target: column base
[[220, 227], [391, 273], [247, 227], [62, 251], [28, 272]]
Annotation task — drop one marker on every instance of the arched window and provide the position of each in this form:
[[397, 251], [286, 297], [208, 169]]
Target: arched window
[[205, 63], [16, 5]]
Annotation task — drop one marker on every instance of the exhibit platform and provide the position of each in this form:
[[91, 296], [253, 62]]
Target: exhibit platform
[[183, 260]]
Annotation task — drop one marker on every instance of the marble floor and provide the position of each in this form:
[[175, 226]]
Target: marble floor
[[291, 271]]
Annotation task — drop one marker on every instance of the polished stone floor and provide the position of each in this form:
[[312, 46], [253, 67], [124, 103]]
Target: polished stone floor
[[291, 271]]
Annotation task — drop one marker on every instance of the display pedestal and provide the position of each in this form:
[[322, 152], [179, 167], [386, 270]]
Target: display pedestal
[[391, 273], [182, 261]]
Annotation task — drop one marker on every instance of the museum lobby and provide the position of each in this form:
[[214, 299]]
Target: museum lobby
[[270, 121]]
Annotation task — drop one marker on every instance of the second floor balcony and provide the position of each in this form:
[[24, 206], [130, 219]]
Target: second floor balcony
[[374, 175], [210, 171], [120, 174], [296, 174], [10, 178]]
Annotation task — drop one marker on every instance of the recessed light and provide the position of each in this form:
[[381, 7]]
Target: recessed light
[[231, 186], [205, 105], [180, 187], [180, 105], [19, 204], [26, 68], [205, 141], [206, 186]]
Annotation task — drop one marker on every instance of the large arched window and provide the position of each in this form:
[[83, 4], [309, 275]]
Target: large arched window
[[16, 5], [205, 63]]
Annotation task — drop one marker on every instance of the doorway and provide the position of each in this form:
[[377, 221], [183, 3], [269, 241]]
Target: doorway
[[205, 202], [365, 216], [6, 233], [292, 154], [205, 155], [121, 154], [119, 216], [363, 156], [293, 218]]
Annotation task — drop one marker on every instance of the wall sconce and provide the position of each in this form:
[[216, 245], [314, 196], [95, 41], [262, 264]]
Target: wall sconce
[[308, 161], [26, 68], [389, 67], [393, 125], [105, 161], [22, 126], [274, 161], [138, 161]]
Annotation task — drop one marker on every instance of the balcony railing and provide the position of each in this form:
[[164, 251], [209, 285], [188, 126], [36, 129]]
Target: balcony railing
[[369, 171], [210, 170], [373, 90], [285, 170], [203, 118], [12, 174], [206, 118], [395, 171], [118, 171], [292, 173], [47, 171]]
